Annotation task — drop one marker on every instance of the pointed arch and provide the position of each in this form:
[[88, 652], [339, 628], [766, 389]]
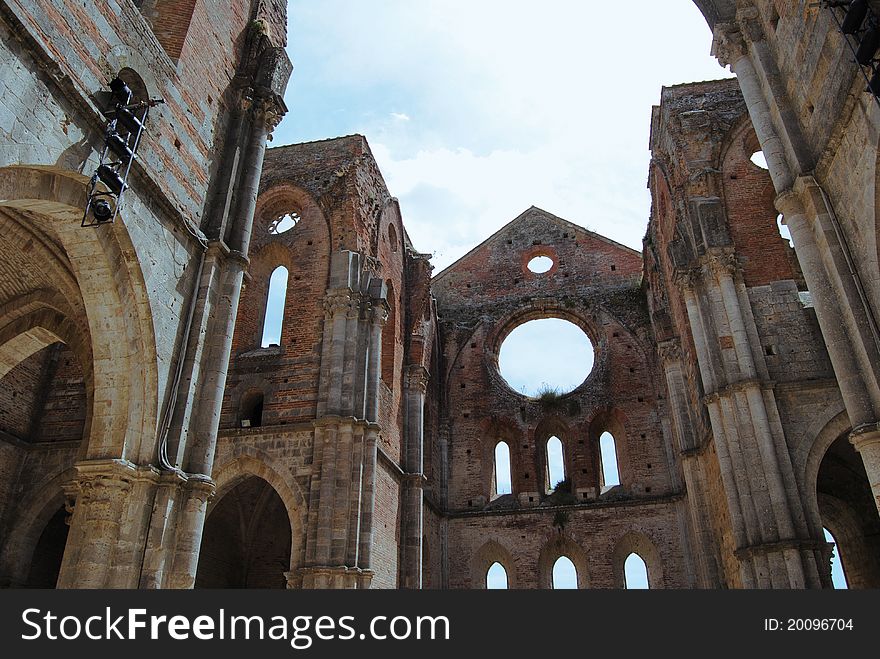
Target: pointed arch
[[485, 557], [551, 552], [27, 525], [636, 542], [252, 462]]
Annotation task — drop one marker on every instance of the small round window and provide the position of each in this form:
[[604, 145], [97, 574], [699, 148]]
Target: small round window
[[540, 264], [283, 223]]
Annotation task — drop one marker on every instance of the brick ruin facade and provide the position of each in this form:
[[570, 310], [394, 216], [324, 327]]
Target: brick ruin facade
[[155, 432]]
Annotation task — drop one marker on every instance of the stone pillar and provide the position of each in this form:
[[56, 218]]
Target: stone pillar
[[103, 490], [368, 498], [731, 49], [706, 563], [190, 526], [827, 304], [770, 534], [415, 389], [866, 440]]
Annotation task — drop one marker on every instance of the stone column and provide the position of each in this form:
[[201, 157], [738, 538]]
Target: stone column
[[826, 302], [866, 440], [190, 526], [415, 389], [707, 566], [103, 490]]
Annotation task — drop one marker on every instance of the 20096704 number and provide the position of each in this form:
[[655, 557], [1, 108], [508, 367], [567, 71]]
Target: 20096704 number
[[808, 624]]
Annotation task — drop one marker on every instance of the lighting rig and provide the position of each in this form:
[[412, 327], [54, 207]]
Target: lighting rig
[[860, 23], [126, 124]]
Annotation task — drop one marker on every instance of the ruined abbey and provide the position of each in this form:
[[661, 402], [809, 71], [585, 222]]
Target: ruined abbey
[[152, 437]]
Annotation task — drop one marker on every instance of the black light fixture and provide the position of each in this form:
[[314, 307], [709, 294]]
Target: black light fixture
[[102, 211], [860, 20], [125, 127]]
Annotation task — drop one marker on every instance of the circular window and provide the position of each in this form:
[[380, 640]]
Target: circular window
[[546, 357], [283, 223], [540, 264]]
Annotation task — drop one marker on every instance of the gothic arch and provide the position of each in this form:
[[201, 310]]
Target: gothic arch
[[824, 438], [490, 553], [252, 462], [552, 550], [636, 542], [27, 526], [47, 203]]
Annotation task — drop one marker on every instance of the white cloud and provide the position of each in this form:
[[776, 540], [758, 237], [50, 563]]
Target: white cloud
[[518, 103]]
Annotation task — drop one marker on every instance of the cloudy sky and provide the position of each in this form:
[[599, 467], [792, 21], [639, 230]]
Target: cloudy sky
[[478, 109]]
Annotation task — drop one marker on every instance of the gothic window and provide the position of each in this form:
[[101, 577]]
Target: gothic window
[[608, 453], [275, 300], [501, 481], [635, 573], [496, 577], [564, 574], [555, 463]]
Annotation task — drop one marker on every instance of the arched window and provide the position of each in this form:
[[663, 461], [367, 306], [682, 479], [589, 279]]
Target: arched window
[[565, 574], [635, 573], [275, 307], [252, 409], [496, 577], [608, 452], [838, 578], [389, 338], [501, 477], [555, 463]]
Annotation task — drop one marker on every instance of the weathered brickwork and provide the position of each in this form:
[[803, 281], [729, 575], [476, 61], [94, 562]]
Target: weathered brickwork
[[356, 449]]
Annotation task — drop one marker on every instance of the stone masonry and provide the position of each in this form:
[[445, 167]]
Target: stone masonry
[[253, 379]]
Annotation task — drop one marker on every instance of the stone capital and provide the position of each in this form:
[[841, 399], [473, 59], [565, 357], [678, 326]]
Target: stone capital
[[669, 351], [789, 203], [337, 302], [686, 279], [728, 44], [865, 437], [417, 378], [718, 263]]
